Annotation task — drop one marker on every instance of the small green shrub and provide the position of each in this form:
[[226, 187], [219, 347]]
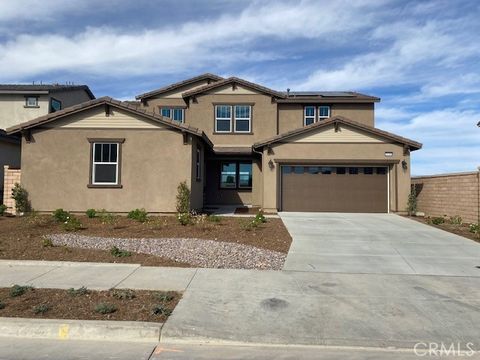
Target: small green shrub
[[123, 294], [3, 208], [20, 195], [161, 310], [78, 292], [214, 218], [455, 220], [72, 224], [164, 297], [183, 198], [474, 229], [61, 215], [105, 308], [106, 218], [35, 219], [115, 251], [41, 309], [184, 218], [260, 218], [91, 213], [2, 305], [249, 224], [438, 220], [412, 201], [47, 242], [139, 215], [18, 290]]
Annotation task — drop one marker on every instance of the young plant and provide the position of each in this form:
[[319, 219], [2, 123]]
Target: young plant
[[115, 251], [91, 213], [106, 218], [412, 202], [260, 218], [78, 292], [139, 215], [474, 229], [20, 195], [41, 309], [161, 310], [2, 305], [47, 242], [72, 224], [183, 198], [123, 294], [105, 308], [3, 208], [18, 290], [455, 220], [438, 220], [214, 218], [61, 215], [164, 297], [184, 218]]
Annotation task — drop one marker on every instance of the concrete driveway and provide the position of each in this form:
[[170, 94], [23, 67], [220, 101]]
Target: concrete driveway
[[376, 244]]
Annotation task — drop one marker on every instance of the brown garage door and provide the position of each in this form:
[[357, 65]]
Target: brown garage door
[[334, 188]]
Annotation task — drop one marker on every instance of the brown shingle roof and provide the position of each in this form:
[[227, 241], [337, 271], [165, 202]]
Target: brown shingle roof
[[112, 102], [206, 76], [233, 80], [47, 88], [342, 120], [327, 97]]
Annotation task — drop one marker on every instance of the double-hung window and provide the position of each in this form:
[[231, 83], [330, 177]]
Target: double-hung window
[[31, 101], [105, 163], [233, 118], [323, 112], [236, 175], [176, 114], [309, 115]]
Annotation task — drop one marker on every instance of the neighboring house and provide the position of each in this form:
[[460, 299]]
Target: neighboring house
[[234, 143], [20, 103]]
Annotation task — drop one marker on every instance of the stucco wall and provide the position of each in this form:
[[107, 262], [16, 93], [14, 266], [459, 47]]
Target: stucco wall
[[449, 194], [56, 168], [13, 110]]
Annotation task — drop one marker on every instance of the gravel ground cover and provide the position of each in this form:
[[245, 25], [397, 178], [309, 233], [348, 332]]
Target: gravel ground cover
[[196, 252]]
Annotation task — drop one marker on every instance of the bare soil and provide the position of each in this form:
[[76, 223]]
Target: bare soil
[[22, 238], [462, 229], [62, 305]]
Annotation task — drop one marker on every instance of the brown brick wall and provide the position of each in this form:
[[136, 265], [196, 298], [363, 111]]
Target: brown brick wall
[[11, 177], [449, 194]]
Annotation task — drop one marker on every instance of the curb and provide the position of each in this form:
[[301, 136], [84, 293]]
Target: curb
[[128, 331], [62, 263]]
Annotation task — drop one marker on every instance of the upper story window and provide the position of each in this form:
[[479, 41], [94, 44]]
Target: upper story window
[[312, 114], [55, 105], [31, 101], [174, 113], [233, 118]]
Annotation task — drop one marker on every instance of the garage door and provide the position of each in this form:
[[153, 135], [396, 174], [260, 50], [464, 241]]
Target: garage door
[[334, 188]]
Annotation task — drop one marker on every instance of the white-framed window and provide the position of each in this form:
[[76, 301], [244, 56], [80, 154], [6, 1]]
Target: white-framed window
[[309, 115], [243, 118], [198, 165], [223, 118], [174, 113], [323, 112], [105, 163], [31, 101]]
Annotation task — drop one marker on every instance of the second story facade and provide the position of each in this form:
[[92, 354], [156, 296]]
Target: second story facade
[[235, 112]]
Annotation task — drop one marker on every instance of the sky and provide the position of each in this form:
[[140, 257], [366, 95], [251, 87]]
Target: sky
[[422, 58]]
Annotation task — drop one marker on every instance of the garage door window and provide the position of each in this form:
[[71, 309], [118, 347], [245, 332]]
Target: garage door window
[[341, 170], [368, 171], [381, 171], [353, 171], [313, 170], [298, 169], [326, 170], [286, 169]]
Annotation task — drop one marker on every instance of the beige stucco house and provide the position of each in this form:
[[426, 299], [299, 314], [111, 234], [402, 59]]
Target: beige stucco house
[[20, 103], [234, 143]]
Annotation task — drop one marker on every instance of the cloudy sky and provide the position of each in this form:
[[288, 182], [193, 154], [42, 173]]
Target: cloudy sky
[[421, 57]]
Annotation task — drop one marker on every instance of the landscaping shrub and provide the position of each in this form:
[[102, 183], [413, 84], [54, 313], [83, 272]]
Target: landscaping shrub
[[183, 198], [248, 224], [138, 215], [47, 242], [61, 215], [184, 218], [3, 208], [18, 290], [412, 202], [260, 218], [214, 218], [91, 213], [474, 229], [164, 297], [78, 292], [123, 294], [438, 220], [41, 309], [115, 251], [104, 308], [2, 305], [455, 220], [106, 218], [72, 224], [20, 195], [161, 310], [34, 218]]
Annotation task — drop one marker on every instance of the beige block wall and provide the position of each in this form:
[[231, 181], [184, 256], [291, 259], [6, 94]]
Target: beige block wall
[[290, 116], [449, 194], [399, 178], [12, 176], [56, 170], [10, 156]]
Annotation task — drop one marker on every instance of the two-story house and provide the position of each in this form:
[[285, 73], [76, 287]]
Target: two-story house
[[234, 143], [20, 103]]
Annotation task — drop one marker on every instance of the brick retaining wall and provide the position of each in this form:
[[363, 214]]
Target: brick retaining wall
[[449, 194], [11, 177]]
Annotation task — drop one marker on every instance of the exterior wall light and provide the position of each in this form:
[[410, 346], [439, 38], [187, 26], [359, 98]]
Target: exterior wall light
[[388, 153], [404, 165], [271, 165]]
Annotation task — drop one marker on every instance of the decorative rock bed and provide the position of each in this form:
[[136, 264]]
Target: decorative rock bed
[[197, 252]]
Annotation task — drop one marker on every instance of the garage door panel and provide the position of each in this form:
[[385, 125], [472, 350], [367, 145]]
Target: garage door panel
[[334, 192]]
